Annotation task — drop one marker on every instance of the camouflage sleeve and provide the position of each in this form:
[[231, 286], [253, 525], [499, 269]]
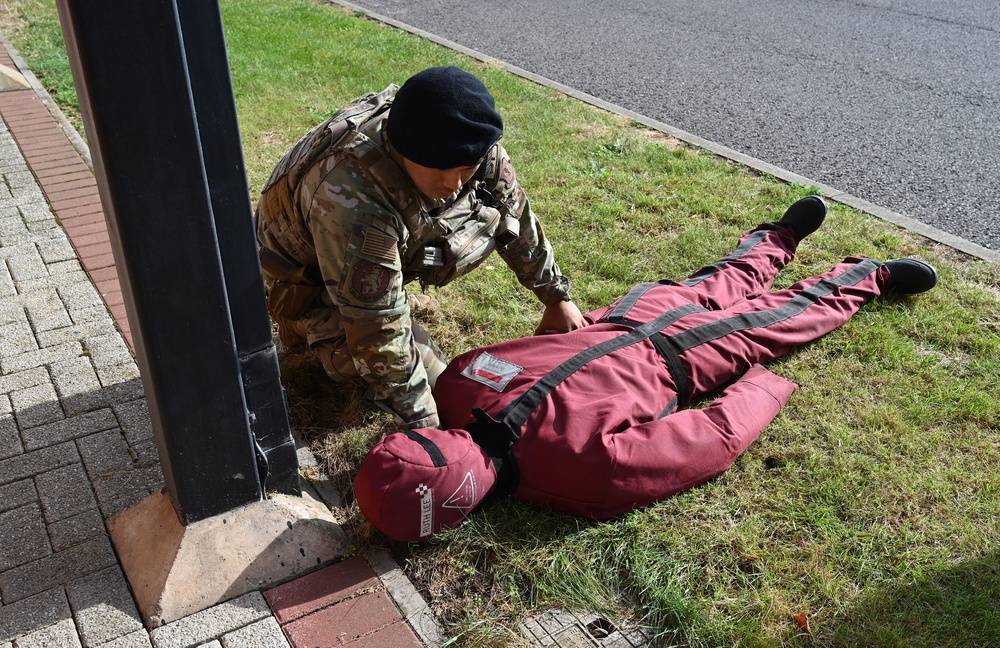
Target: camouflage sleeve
[[356, 238], [530, 256]]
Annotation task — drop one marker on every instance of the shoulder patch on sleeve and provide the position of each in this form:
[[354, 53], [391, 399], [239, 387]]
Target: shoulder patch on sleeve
[[379, 245], [369, 281], [373, 243], [492, 372]]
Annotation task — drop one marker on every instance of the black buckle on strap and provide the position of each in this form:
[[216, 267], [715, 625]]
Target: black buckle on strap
[[497, 440], [491, 435]]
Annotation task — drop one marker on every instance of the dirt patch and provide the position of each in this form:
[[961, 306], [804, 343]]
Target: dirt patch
[[663, 139], [593, 132]]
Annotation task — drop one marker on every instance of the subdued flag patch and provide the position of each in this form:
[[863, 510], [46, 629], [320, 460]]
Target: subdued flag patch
[[379, 246]]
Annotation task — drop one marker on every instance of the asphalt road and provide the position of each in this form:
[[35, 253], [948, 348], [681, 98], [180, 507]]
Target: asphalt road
[[894, 101]]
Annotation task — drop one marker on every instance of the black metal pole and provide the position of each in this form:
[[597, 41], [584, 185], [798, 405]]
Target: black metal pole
[[208, 71], [130, 63]]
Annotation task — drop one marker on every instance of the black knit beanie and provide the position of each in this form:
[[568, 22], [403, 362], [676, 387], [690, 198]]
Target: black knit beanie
[[443, 118]]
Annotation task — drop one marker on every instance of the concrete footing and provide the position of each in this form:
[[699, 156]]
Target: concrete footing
[[176, 571]]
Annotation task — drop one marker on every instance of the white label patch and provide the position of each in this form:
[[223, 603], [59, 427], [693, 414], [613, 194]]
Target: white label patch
[[464, 496], [426, 510], [492, 372]]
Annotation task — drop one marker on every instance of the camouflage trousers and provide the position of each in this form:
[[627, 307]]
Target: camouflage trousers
[[338, 363]]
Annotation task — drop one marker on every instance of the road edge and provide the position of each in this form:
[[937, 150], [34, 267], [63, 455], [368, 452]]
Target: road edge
[[837, 195]]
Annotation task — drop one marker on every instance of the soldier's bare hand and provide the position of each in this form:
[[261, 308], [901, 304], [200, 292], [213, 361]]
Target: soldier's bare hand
[[561, 317]]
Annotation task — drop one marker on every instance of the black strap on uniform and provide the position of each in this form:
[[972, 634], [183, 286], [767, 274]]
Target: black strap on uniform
[[496, 440], [626, 303], [743, 248], [518, 411], [671, 357], [716, 329], [667, 351], [497, 437]]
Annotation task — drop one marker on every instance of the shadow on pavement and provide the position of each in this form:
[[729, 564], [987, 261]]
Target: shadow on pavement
[[69, 459]]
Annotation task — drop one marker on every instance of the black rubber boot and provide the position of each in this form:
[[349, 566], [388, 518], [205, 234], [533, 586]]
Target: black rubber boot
[[804, 216], [912, 276]]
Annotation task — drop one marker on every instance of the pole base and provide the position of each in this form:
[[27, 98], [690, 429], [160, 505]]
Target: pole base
[[11, 79], [176, 571]]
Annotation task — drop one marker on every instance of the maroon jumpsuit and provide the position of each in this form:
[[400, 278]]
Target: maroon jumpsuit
[[603, 433]]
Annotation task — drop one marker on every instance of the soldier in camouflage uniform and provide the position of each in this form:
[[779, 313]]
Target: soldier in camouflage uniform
[[397, 187]]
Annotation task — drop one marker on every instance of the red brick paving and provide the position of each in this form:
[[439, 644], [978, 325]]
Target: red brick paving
[[107, 287], [100, 237], [68, 185], [341, 605], [63, 174], [103, 276], [97, 262], [60, 204], [319, 589], [398, 635], [88, 213], [75, 228], [371, 616], [113, 298]]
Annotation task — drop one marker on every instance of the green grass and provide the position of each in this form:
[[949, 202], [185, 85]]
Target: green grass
[[870, 505]]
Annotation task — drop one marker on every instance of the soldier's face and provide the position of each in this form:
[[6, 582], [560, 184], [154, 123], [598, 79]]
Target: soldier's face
[[438, 183]]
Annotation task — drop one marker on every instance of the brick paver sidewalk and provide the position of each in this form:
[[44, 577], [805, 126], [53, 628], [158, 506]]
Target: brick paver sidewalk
[[76, 445]]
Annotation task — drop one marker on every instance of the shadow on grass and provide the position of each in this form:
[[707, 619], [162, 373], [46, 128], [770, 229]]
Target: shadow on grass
[[954, 606], [334, 419]]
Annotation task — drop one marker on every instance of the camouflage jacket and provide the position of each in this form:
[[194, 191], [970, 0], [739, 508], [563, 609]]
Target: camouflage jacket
[[357, 222]]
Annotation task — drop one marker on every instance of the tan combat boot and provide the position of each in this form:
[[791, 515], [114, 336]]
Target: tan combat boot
[[291, 333], [423, 305]]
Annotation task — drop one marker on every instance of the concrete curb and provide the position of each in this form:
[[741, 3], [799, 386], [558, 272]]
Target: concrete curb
[[832, 193], [415, 610]]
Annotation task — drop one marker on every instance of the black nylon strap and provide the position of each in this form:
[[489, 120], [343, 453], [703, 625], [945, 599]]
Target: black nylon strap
[[757, 319], [518, 411], [628, 301], [674, 365], [496, 440], [743, 248], [435, 452], [669, 409], [671, 357]]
